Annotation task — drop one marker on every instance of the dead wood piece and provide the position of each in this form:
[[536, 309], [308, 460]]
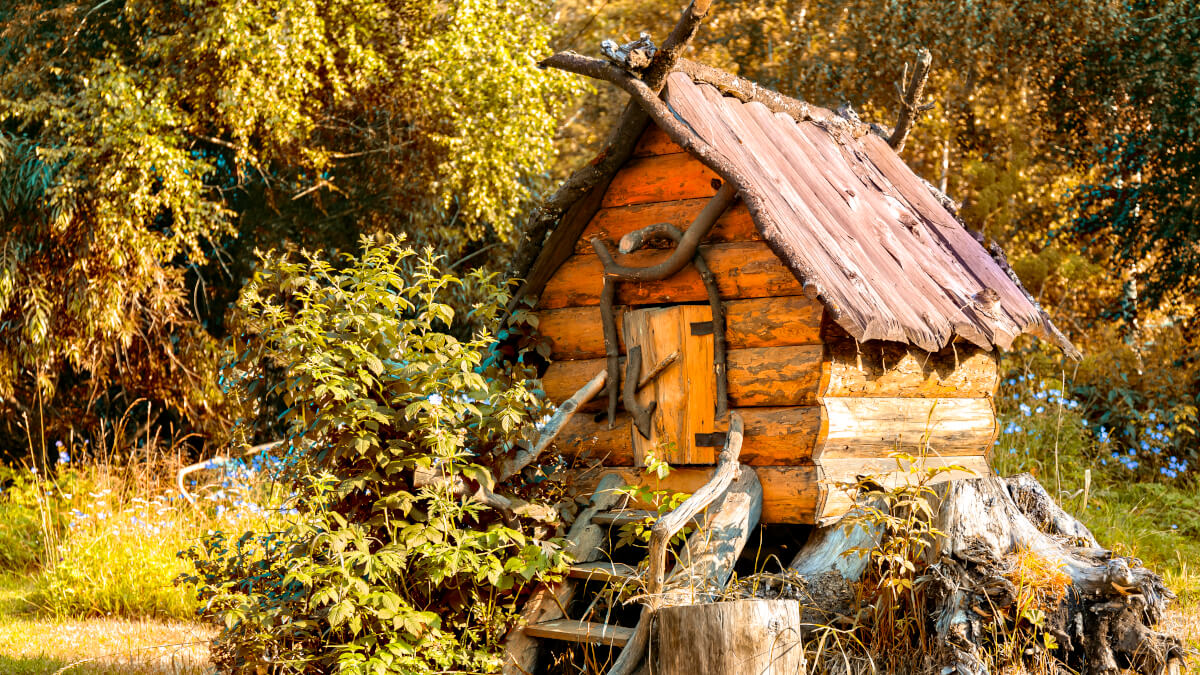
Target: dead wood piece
[[638, 238], [684, 252], [546, 604], [910, 99], [612, 345], [523, 458], [1043, 511], [633, 56], [1102, 623], [666, 527], [641, 414], [707, 561], [668, 55], [662, 365]]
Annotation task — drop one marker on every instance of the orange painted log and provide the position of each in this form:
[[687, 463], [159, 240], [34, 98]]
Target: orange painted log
[[574, 332], [660, 178], [742, 270], [613, 223]]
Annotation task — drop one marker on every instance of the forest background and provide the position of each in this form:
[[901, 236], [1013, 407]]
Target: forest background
[[149, 152]]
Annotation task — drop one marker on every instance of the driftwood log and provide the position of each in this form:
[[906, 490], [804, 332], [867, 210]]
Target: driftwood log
[[1102, 624]]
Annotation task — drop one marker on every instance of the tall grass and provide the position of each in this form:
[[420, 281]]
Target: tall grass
[[99, 528]]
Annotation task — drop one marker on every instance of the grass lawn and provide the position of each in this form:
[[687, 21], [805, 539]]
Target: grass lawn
[[34, 644]]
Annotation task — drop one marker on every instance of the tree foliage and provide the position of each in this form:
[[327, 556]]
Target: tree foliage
[[147, 147], [1131, 104]]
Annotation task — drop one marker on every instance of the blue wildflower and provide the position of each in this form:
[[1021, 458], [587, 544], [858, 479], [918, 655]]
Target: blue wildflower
[[64, 457]]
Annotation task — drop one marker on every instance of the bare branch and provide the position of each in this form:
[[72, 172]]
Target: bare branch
[[910, 101]]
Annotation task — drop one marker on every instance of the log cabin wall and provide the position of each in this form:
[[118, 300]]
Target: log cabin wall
[[817, 407]]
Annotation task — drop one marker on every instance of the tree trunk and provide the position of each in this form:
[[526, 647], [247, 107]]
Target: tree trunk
[[761, 637], [1101, 624]]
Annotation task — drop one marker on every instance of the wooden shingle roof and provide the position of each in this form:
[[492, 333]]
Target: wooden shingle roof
[[862, 232]]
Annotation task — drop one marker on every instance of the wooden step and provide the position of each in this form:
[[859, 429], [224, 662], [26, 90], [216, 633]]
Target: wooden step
[[626, 516], [569, 630], [602, 571]]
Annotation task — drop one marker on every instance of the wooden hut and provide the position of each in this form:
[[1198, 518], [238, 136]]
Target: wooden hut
[[746, 272], [834, 300]]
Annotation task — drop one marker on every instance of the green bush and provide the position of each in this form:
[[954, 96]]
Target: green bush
[[378, 571]]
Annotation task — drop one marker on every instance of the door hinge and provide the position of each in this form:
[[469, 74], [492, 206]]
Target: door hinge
[[713, 440]]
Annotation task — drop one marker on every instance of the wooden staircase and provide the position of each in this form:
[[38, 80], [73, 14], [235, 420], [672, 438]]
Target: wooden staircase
[[706, 562], [544, 613]]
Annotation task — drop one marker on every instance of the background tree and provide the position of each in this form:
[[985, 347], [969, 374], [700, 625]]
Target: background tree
[[146, 148]]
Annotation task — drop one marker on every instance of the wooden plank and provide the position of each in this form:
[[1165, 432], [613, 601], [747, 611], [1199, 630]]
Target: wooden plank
[[836, 500], [574, 332], [759, 376], [660, 178], [774, 376], [685, 392], [873, 427], [743, 270], [613, 223], [655, 141], [603, 571], [773, 436], [890, 369], [790, 493], [588, 632]]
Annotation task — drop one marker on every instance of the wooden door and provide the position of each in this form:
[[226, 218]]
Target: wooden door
[[683, 422]]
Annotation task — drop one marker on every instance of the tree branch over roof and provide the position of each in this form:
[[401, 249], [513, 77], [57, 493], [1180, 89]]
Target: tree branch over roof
[[594, 178], [910, 99]]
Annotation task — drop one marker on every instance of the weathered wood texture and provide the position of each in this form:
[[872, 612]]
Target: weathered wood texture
[[743, 270], [774, 437], [521, 649], [836, 501], [668, 525], [760, 376], [760, 322], [708, 560], [873, 427], [892, 369], [903, 268], [685, 392], [1102, 621], [660, 178], [744, 636], [790, 493]]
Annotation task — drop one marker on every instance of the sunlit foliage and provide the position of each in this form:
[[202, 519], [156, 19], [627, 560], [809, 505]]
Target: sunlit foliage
[[138, 138]]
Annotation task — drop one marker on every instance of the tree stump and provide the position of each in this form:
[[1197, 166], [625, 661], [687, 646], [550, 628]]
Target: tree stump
[[745, 636], [1101, 625]]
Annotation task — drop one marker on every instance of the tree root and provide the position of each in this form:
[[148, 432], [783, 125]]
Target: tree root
[[1014, 582]]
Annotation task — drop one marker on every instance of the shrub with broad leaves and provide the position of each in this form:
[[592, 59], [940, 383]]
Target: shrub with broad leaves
[[394, 420]]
